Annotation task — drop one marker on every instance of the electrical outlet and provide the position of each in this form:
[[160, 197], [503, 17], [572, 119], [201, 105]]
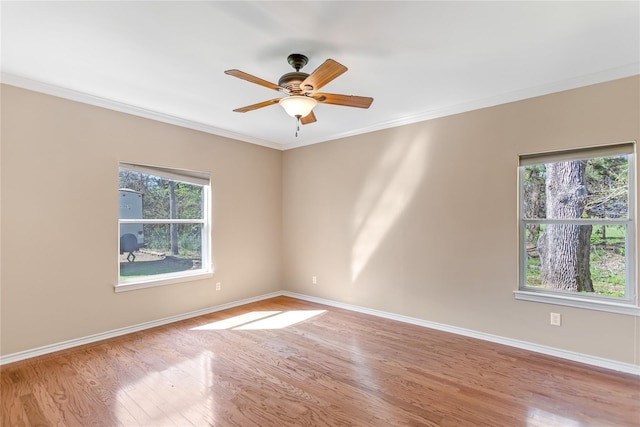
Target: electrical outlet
[[218, 286], [314, 280], [556, 319]]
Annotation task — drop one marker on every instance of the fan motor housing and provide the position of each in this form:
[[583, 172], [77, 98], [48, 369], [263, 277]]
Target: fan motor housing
[[292, 80]]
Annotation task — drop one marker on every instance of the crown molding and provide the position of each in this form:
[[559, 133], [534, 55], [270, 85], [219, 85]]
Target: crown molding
[[559, 86], [546, 89], [85, 98]]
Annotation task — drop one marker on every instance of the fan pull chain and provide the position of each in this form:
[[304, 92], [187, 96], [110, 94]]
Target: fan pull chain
[[297, 125]]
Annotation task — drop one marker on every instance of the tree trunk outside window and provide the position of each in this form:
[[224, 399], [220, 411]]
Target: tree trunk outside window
[[565, 248], [173, 214]]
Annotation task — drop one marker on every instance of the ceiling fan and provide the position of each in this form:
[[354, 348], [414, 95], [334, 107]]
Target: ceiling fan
[[302, 89]]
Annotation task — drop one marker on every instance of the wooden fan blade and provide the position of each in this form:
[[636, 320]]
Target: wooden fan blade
[[309, 118], [253, 79], [326, 72], [346, 100], [256, 106]]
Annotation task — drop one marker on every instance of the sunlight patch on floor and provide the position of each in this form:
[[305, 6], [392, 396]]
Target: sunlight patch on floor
[[541, 418], [143, 402], [257, 320], [232, 322]]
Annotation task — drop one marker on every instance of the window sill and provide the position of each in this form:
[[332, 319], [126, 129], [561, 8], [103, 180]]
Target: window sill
[[161, 280], [589, 304]]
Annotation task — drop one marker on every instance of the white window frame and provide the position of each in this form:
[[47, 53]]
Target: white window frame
[[627, 305], [190, 177]]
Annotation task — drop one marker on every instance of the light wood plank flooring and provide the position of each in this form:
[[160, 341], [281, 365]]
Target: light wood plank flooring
[[286, 362]]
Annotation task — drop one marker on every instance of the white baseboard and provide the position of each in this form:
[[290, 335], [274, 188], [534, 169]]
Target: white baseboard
[[15, 357], [551, 351]]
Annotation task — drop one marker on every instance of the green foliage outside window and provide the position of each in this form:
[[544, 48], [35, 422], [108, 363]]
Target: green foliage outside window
[[598, 194], [172, 224]]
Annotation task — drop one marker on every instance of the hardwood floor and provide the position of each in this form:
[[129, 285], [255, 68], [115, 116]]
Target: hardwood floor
[[254, 366]]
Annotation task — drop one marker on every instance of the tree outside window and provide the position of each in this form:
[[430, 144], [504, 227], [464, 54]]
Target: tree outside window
[[164, 223], [576, 223]]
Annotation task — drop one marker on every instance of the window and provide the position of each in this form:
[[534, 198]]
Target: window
[[577, 228], [164, 226]]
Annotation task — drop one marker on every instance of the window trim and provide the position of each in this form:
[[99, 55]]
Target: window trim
[[162, 280], [577, 302], [190, 177], [627, 305]]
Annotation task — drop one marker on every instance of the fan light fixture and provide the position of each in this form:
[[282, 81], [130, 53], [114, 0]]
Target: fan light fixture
[[298, 106], [302, 89]]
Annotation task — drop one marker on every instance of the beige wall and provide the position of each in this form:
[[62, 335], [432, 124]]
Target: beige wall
[[59, 218], [421, 220]]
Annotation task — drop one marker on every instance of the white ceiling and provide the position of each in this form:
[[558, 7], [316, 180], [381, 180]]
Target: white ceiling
[[418, 60]]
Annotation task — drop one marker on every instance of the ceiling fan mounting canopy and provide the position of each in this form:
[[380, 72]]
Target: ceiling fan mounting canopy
[[302, 89], [297, 60]]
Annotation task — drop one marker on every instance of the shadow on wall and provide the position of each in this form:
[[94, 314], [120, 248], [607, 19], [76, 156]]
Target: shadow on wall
[[390, 187]]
